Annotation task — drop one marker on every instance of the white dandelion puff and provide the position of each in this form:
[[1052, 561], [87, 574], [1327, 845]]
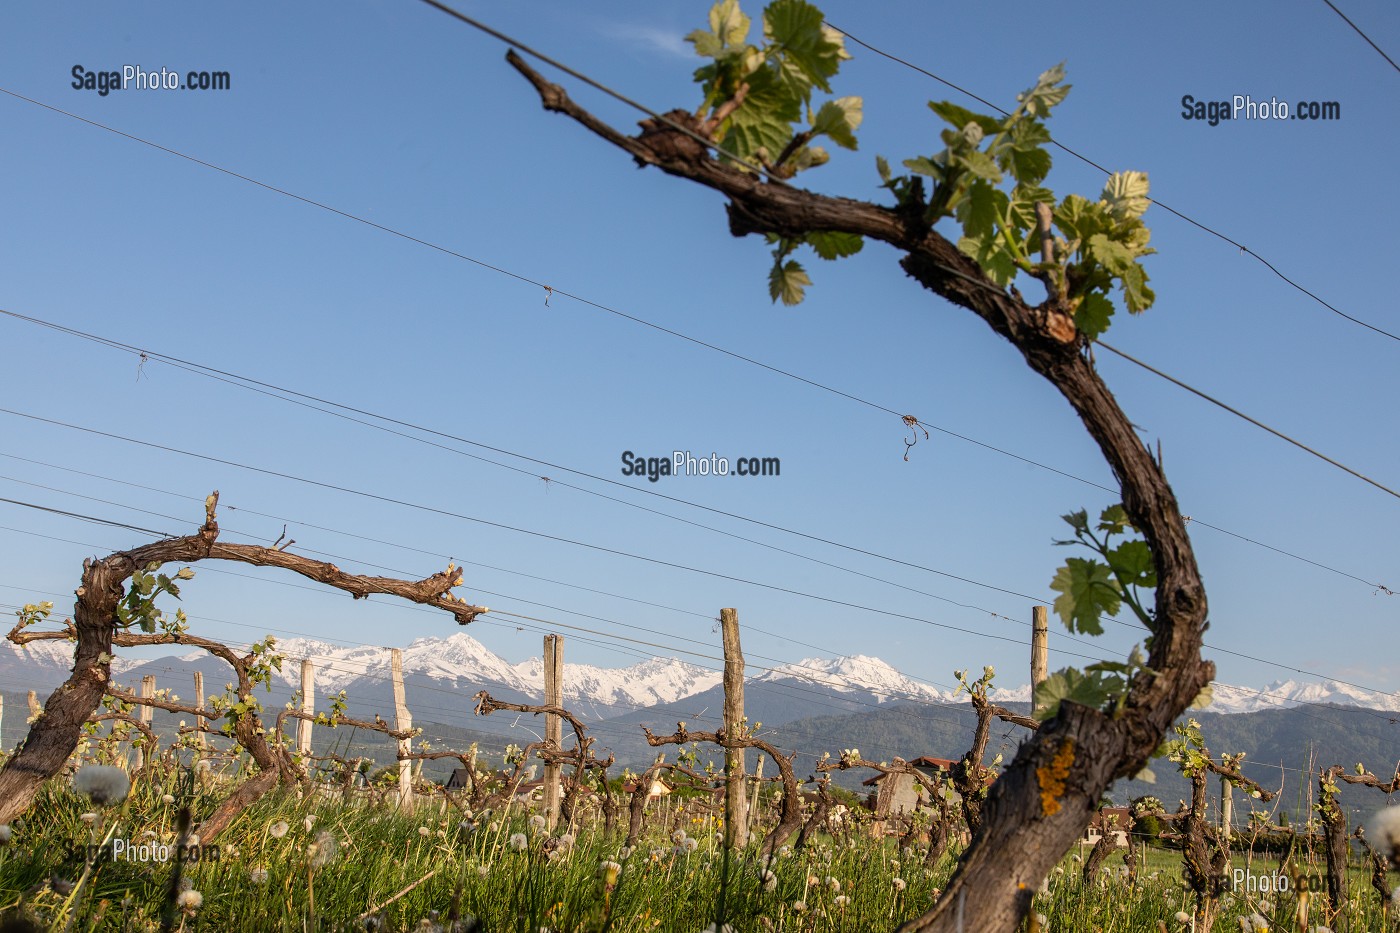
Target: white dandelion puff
[[519, 842], [104, 785], [278, 830], [1384, 831], [323, 850]]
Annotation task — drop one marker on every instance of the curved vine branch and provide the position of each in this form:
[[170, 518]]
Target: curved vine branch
[[1046, 797], [97, 625]]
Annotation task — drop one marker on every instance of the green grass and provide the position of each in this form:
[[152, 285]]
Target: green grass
[[268, 880]]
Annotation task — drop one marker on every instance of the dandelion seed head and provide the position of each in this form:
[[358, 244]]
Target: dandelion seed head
[[88, 818], [769, 880], [423, 831], [168, 798], [189, 901], [258, 875], [1384, 831], [277, 830], [898, 883], [308, 822], [104, 785], [5, 834], [321, 852], [841, 900], [537, 822], [799, 907], [519, 842]]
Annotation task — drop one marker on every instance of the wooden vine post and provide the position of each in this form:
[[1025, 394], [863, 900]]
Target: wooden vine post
[[736, 804], [403, 721], [553, 725], [1040, 647], [200, 723], [308, 706], [148, 691]]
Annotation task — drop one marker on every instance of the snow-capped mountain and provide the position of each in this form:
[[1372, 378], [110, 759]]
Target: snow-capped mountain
[[461, 659], [1286, 694], [858, 674], [436, 668], [45, 663]]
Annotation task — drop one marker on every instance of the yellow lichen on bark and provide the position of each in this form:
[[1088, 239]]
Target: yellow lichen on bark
[[1052, 778]]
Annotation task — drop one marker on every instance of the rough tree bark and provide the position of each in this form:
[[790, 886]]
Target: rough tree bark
[[55, 734], [1044, 800]]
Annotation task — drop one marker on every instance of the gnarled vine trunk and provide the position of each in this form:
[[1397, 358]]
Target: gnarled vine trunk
[[1041, 804]]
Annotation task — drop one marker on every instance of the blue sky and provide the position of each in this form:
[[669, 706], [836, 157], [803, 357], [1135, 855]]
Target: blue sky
[[395, 113]]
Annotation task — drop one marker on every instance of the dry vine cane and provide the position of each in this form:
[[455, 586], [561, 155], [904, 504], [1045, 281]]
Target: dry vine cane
[[790, 807], [104, 614], [581, 757]]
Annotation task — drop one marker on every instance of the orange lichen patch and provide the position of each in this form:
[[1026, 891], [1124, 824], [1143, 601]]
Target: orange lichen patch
[[1052, 778]]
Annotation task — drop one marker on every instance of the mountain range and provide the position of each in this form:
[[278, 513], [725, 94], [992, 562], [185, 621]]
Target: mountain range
[[459, 666], [811, 706]]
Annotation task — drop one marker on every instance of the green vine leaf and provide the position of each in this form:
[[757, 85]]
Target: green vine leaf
[[788, 282], [1132, 564], [797, 29], [833, 245], [1126, 195], [840, 119], [1087, 689], [1093, 315], [1087, 592]]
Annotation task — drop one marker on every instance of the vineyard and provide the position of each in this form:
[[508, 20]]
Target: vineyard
[[237, 824], [129, 802]]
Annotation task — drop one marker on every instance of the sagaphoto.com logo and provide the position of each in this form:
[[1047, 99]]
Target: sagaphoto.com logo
[[684, 463], [134, 77], [1245, 107]]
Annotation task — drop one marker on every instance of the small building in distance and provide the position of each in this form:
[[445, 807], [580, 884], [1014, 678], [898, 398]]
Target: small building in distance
[[1113, 820], [659, 788], [897, 794]]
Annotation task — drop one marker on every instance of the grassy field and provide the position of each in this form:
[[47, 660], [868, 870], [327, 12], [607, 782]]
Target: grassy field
[[302, 861]]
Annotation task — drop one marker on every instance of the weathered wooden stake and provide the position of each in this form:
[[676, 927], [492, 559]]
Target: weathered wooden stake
[[553, 725], [736, 803], [1227, 808], [148, 691], [402, 721], [757, 786], [1040, 648], [308, 706], [199, 721]]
